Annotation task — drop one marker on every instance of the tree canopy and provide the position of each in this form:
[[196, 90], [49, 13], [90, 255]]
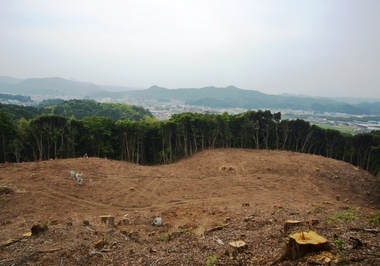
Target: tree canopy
[[148, 141]]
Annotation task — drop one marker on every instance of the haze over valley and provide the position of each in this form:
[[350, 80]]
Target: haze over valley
[[350, 114]]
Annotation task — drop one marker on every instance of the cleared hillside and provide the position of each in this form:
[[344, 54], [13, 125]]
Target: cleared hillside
[[248, 193]]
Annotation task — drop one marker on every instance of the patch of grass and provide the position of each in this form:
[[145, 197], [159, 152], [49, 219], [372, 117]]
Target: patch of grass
[[374, 219], [165, 237], [342, 128], [106, 237], [317, 209], [339, 244], [189, 231], [211, 260], [349, 215], [44, 225]]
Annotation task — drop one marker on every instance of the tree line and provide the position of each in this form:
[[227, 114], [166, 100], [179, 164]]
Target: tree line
[[77, 108], [149, 141]]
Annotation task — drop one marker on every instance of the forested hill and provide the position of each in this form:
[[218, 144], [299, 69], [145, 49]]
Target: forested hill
[[232, 97], [215, 97], [16, 98], [79, 109]]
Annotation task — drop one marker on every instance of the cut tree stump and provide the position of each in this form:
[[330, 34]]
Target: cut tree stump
[[108, 220], [236, 247], [289, 224], [302, 243], [36, 229], [293, 223]]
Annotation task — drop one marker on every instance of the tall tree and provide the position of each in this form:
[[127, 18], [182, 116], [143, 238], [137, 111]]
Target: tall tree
[[284, 132], [333, 140], [299, 129], [253, 123], [7, 132], [363, 144], [183, 122], [167, 131], [99, 135]]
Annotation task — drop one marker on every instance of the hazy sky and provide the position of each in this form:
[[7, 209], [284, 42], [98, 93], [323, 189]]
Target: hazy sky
[[317, 48]]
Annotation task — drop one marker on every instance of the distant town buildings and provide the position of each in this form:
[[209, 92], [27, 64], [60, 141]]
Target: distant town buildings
[[163, 110]]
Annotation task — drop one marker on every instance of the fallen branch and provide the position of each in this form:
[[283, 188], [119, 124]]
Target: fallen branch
[[88, 228], [167, 262], [219, 227], [9, 242], [156, 261], [96, 252], [369, 230]]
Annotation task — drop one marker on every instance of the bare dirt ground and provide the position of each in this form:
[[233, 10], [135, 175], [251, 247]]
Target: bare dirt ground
[[206, 201]]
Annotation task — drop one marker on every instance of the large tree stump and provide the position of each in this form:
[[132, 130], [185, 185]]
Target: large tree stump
[[302, 243], [108, 220]]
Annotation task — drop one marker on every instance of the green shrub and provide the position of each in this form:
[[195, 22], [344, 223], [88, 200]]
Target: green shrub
[[344, 216], [211, 260], [339, 244], [374, 218], [165, 237]]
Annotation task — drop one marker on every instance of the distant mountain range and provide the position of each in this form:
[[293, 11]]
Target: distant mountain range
[[227, 97], [53, 87]]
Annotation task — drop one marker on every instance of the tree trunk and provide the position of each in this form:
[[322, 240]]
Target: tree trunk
[[3, 137], [302, 243]]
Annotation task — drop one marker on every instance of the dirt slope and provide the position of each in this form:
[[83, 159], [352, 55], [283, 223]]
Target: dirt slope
[[253, 192]]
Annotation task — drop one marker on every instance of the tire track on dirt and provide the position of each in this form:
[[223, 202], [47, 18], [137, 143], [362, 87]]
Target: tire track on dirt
[[211, 201], [73, 200]]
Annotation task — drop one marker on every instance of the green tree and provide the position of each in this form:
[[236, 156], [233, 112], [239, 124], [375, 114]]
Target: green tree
[[333, 140], [284, 132], [363, 144], [183, 127], [99, 133], [253, 124], [167, 130], [7, 133], [239, 131], [300, 130]]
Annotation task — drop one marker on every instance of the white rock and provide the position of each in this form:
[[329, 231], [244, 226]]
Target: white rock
[[157, 221]]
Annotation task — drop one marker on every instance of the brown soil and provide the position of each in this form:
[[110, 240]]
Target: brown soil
[[205, 201]]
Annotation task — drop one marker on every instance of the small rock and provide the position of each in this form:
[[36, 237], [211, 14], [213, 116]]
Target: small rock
[[157, 221], [220, 242]]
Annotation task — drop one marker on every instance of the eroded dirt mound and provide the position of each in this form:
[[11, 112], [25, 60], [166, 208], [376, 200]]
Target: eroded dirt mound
[[224, 195]]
